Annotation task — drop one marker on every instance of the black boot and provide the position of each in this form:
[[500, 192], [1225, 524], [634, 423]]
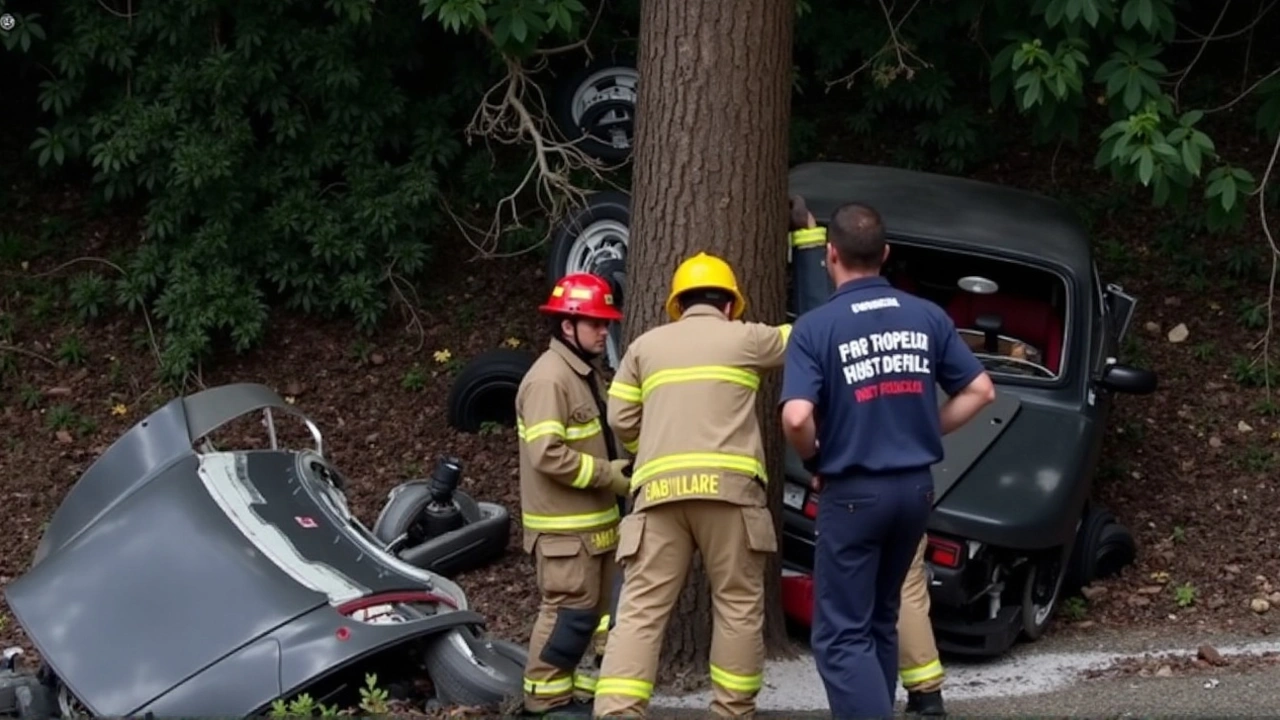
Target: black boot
[[922, 703]]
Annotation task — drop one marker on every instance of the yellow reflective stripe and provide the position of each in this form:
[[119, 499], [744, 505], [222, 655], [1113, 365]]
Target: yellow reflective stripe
[[624, 686], [921, 673], [586, 468], [808, 237], [622, 391], [744, 464], [739, 376], [632, 446], [559, 686], [785, 331], [583, 521], [603, 625], [584, 682], [735, 682], [558, 429]]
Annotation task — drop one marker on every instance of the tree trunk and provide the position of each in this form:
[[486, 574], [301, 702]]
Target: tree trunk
[[710, 173]]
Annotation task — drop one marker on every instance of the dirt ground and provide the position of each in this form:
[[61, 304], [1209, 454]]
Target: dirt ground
[[1190, 470]]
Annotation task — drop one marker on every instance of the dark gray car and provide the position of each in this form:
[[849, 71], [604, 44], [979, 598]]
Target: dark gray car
[[185, 582]]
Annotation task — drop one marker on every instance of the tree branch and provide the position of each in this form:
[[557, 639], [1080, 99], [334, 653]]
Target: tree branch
[[895, 45], [1275, 264], [581, 43], [1197, 37], [510, 120], [1187, 70], [1244, 94]]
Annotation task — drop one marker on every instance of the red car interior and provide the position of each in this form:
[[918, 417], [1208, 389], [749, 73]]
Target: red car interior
[[1027, 319]]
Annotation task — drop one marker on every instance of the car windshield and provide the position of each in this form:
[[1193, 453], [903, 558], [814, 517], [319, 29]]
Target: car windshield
[[1012, 315]]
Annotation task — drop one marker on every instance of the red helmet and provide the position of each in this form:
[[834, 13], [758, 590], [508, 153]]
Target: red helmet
[[582, 295]]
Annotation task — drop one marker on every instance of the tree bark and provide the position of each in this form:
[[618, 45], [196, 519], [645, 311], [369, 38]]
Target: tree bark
[[710, 174]]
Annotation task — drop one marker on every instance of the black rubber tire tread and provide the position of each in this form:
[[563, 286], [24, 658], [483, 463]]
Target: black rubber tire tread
[[1115, 550], [460, 681], [1031, 631], [561, 111], [1084, 556], [406, 501], [606, 205], [496, 372]]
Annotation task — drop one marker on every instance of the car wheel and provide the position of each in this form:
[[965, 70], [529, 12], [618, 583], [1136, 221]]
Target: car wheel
[[473, 671], [595, 240], [485, 390], [1042, 586], [596, 107], [1103, 547]]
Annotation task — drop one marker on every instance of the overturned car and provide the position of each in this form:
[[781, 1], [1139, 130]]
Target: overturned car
[[1014, 521], [177, 579]]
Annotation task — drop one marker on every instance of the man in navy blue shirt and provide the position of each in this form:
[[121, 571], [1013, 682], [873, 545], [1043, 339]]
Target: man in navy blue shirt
[[859, 405]]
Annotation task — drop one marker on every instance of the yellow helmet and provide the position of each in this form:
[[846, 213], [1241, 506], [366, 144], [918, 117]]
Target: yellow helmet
[[704, 271]]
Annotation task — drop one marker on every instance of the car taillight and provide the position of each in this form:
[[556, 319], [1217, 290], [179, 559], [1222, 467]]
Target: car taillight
[[811, 506], [946, 553]]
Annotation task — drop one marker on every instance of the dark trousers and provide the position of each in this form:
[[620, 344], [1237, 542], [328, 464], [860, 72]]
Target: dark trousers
[[868, 530]]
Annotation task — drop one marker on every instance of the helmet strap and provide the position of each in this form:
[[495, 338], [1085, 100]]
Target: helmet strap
[[576, 345]]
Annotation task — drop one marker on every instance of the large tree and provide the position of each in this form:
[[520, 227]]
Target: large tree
[[710, 174]]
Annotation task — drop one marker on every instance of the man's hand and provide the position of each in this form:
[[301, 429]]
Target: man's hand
[[619, 480], [801, 218]]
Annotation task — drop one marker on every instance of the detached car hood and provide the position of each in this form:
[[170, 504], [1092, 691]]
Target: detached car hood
[[161, 562]]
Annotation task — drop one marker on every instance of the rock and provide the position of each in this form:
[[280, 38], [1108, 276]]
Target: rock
[[1164, 671], [1085, 624], [1210, 654], [1140, 601], [1172, 301], [294, 388], [1151, 589], [1244, 427], [1215, 442], [1274, 598], [1091, 592], [58, 391], [63, 436], [1233, 568], [1152, 327], [1259, 605], [377, 359], [1179, 333]]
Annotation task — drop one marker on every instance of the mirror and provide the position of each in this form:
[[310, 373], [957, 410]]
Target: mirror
[[1128, 379]]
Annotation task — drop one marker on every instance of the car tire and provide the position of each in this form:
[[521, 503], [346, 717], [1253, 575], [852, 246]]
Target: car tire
[[471, 670], [1040, 599], [485, 389], [1103, 547], [595, 106], [481, 540]]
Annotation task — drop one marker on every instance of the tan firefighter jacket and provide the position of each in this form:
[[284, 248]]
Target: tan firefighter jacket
[[564, 456], [684, 401]]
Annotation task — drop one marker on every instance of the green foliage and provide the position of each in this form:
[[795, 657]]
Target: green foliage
[[286, 151]]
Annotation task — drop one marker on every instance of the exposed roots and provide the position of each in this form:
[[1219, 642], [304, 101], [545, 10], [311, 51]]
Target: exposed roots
[[1261, 192], [514, 112]]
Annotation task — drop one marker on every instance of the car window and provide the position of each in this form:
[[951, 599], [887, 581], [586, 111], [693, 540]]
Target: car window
[[1013, 315]]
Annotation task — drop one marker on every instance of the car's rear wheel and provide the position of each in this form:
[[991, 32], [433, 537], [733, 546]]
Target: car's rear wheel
[[1103, 548], [1042, 586], [473, 671]]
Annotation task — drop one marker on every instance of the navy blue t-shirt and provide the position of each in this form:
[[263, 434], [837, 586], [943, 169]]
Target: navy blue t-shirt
[[868, 360]]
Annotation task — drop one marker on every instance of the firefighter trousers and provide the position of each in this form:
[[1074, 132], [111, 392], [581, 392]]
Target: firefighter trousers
[[869, 528], [575, 587], [918, 663], [655, 550]]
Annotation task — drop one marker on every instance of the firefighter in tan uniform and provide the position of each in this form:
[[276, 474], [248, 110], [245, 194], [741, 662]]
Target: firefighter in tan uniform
[[684, 400], [919, 667], [571, 477]]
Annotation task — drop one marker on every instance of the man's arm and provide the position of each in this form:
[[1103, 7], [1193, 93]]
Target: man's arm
[[770, 343], [541, 426], [801, 389], [961, 376], [626, 404]]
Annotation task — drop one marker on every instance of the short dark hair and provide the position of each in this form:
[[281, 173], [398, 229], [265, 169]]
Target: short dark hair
[[704, 296], [857, 233]]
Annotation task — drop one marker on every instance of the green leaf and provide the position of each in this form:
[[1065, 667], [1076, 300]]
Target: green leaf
[[1090, 12], [1191, 158], [1146, 165]]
